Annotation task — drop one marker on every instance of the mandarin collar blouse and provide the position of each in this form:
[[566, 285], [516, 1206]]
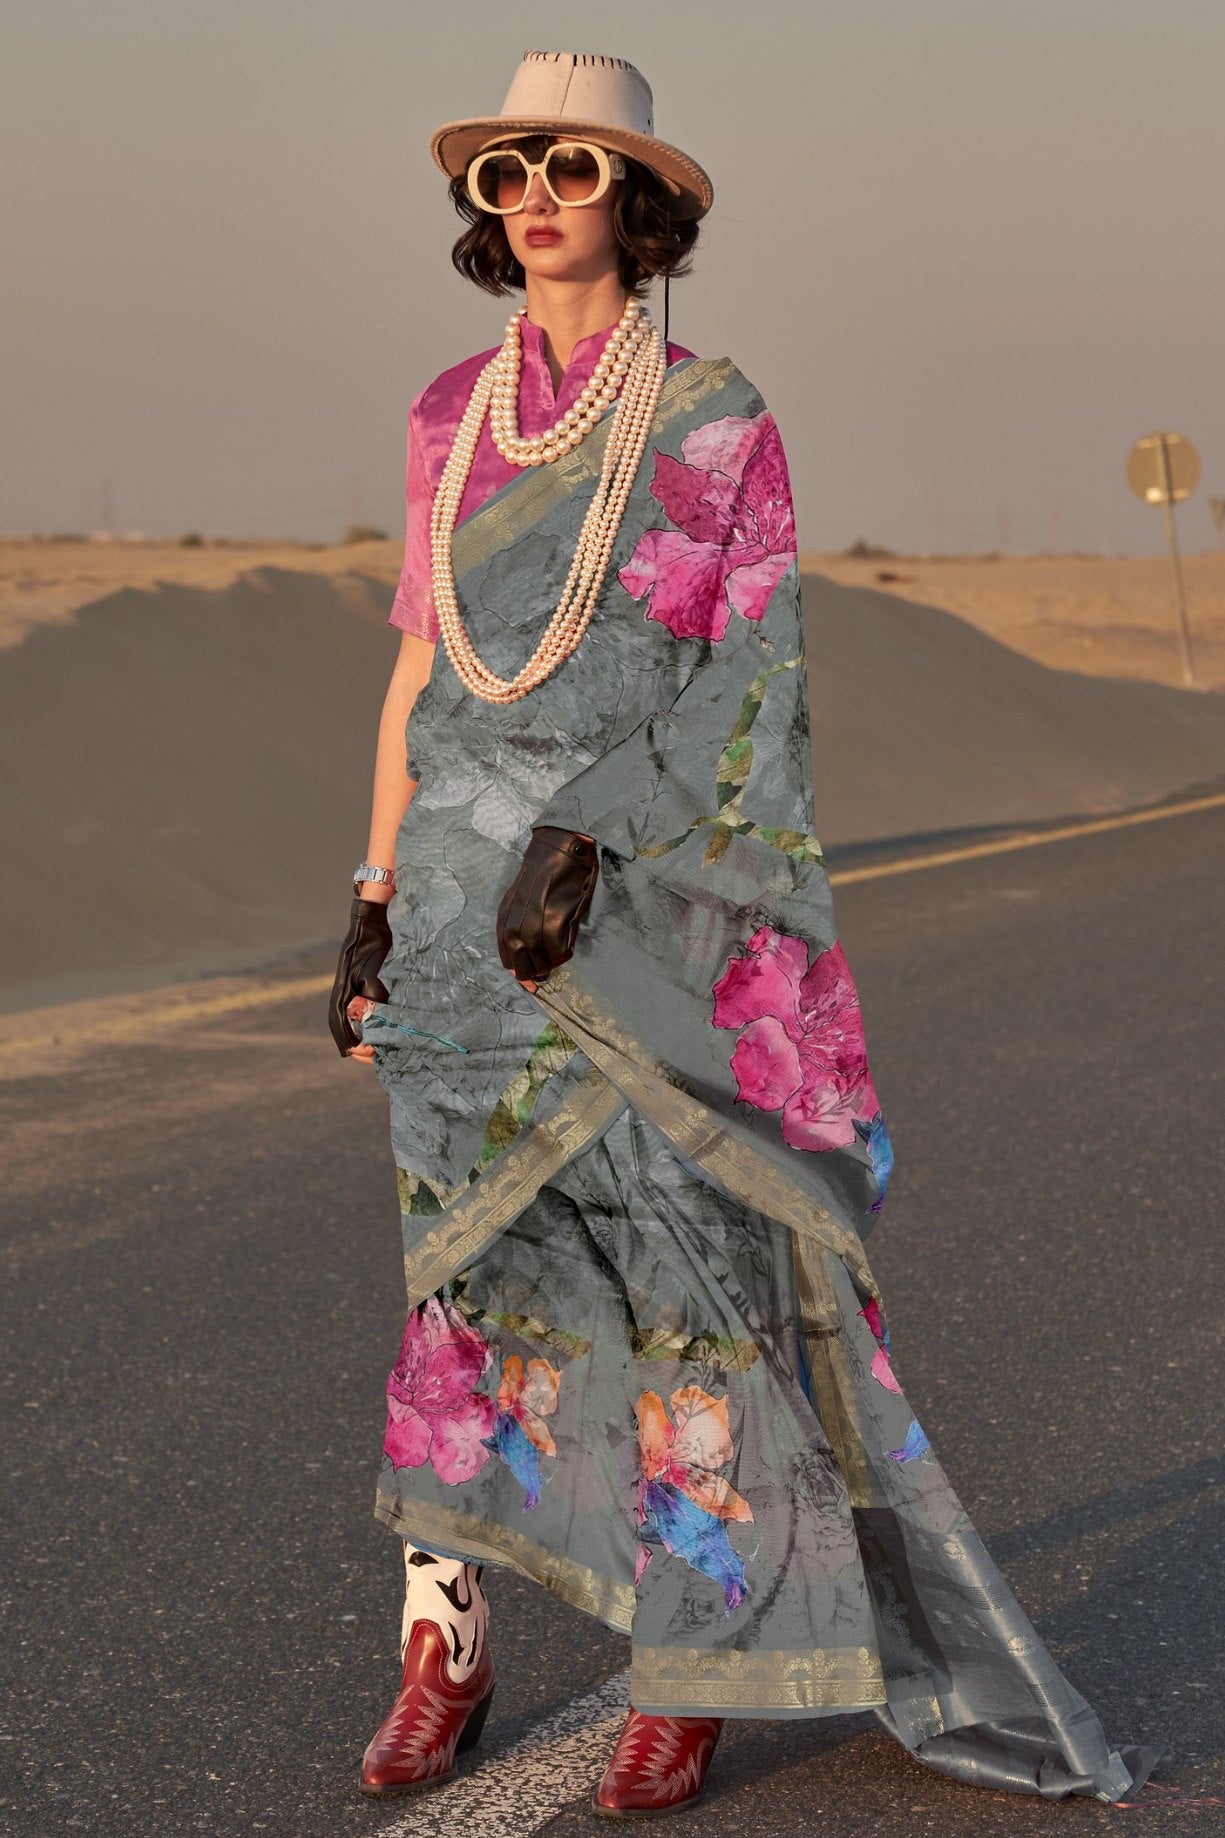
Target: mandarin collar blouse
[[432, 420]]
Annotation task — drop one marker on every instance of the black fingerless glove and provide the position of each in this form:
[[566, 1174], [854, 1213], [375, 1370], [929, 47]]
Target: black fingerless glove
[[539, 914], [366, 945]]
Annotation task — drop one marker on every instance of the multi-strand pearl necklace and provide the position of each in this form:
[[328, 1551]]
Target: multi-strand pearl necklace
[[636, 392], [597, 396]]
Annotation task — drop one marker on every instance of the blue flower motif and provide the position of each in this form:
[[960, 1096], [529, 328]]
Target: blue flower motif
[[694, 1535], [880, 1153], [510, 1442], [916, 1443]]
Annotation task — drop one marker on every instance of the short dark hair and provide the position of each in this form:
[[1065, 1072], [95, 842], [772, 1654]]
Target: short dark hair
[[651, 241]]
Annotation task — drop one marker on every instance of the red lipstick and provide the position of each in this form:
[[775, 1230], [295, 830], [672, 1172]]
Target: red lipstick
[[542, 237]]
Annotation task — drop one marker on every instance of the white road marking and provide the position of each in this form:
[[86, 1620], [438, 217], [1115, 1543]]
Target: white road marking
[[513, 1792], [1030, 839]]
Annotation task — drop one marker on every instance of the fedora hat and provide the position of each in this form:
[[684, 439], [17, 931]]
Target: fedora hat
[[584, 97]]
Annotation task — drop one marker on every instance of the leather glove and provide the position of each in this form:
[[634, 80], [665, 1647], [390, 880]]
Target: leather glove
[[366, 944], [539, 914]]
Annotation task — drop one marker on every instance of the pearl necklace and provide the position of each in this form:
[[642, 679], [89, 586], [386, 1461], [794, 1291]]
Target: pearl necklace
[[596, 397], [627, 437]]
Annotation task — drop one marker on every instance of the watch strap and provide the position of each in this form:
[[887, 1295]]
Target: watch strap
[[370, 871]]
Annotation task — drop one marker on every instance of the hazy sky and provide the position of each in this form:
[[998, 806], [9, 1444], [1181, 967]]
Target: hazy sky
[[968, 251]]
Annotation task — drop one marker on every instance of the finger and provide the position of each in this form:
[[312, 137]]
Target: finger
[[365, 1054], [528, 961]]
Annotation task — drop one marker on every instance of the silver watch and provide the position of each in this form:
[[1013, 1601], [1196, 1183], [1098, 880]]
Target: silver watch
[[366, 871]]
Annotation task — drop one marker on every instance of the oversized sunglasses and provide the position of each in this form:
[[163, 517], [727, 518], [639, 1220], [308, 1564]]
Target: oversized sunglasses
[[572, 172]]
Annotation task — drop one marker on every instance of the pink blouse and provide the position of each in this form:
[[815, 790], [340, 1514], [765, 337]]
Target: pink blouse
[[432, 421]]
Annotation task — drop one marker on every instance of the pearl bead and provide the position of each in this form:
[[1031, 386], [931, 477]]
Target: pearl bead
[[623, 451]]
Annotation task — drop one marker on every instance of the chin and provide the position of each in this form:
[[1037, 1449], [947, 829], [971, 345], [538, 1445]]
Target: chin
[[560, 264]]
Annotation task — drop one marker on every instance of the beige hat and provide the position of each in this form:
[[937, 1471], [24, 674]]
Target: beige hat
[[603, 99]]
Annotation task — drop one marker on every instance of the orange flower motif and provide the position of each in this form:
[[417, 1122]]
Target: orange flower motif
[[685, 1454], [529, 1397]]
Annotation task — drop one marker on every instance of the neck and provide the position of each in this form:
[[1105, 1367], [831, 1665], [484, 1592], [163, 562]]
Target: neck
[[567, 311]]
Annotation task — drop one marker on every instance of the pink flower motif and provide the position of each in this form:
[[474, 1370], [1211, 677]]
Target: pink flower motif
[[434, 1411], [801, 1048], [883, 1372], [872, 1316], [730, 498]]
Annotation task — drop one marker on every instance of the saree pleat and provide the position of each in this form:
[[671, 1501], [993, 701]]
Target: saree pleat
[[646, 1361]]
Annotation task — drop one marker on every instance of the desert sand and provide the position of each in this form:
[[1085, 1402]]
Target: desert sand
[[47, 583], [1104, 615], [186, 735], [1101, 615]]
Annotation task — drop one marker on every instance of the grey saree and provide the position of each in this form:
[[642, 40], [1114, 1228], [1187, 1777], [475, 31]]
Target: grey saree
[[646, 1361]]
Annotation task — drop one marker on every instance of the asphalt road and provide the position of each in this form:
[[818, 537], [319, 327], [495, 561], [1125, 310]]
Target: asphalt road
[[202, 1294]]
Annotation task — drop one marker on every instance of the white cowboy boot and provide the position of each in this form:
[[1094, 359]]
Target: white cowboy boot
[[446, 1677]]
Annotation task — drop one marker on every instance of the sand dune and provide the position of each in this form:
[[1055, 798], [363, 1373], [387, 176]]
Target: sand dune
[[1105, 615], [186, 768], [923, 724]]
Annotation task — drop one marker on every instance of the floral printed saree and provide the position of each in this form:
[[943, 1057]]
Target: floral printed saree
[[646, 1361]]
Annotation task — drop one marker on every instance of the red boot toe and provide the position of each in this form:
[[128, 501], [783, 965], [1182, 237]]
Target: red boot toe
[[658, 1766]]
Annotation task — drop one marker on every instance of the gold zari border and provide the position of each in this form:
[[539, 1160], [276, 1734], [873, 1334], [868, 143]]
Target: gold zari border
[[517, 1175], [829, 1368], [697, 1131], [757, 1680], [504, 517], [488, 1542]]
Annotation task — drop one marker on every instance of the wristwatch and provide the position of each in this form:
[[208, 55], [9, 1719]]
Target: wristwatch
[[366, 871]]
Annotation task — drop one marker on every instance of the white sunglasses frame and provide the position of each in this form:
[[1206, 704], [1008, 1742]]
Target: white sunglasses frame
[[612, 166]]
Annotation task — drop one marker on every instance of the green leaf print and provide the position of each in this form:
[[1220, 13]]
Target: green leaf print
[[732, 775], [511, 1112]]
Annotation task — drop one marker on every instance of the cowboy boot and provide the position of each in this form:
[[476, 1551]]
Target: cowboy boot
[[658, 1766], [446, 1678]]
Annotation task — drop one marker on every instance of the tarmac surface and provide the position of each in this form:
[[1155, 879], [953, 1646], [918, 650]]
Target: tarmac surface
[[202, 1294]]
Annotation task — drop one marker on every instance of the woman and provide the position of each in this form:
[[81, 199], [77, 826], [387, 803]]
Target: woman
[[637, 1141]]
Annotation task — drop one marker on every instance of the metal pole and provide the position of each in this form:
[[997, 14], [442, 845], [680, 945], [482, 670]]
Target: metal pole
[[1171, 534]]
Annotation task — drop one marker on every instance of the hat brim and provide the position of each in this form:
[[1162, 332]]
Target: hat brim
[[456, 143]]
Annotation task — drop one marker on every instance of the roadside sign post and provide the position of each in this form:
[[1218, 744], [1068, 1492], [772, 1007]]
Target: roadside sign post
[[1163, 469]]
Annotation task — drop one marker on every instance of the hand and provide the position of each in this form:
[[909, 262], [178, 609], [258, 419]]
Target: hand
[[539, 914], [358, 984]]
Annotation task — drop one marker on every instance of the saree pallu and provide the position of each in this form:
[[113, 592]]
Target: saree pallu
[[646, 1361]]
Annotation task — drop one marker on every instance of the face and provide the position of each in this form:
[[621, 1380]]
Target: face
[[561, 242]]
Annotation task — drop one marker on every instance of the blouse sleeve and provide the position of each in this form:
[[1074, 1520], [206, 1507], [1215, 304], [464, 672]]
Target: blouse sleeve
[[412, 609]]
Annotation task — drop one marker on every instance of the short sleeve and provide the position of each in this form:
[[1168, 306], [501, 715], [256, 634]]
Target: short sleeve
[[412, 610]]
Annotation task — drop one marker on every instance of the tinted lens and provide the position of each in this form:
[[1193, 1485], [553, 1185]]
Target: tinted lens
[[573, 174], [501, 182]]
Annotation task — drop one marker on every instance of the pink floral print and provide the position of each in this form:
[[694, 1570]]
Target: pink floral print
[[434, 1412], [730, 499], [801, 1047]]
